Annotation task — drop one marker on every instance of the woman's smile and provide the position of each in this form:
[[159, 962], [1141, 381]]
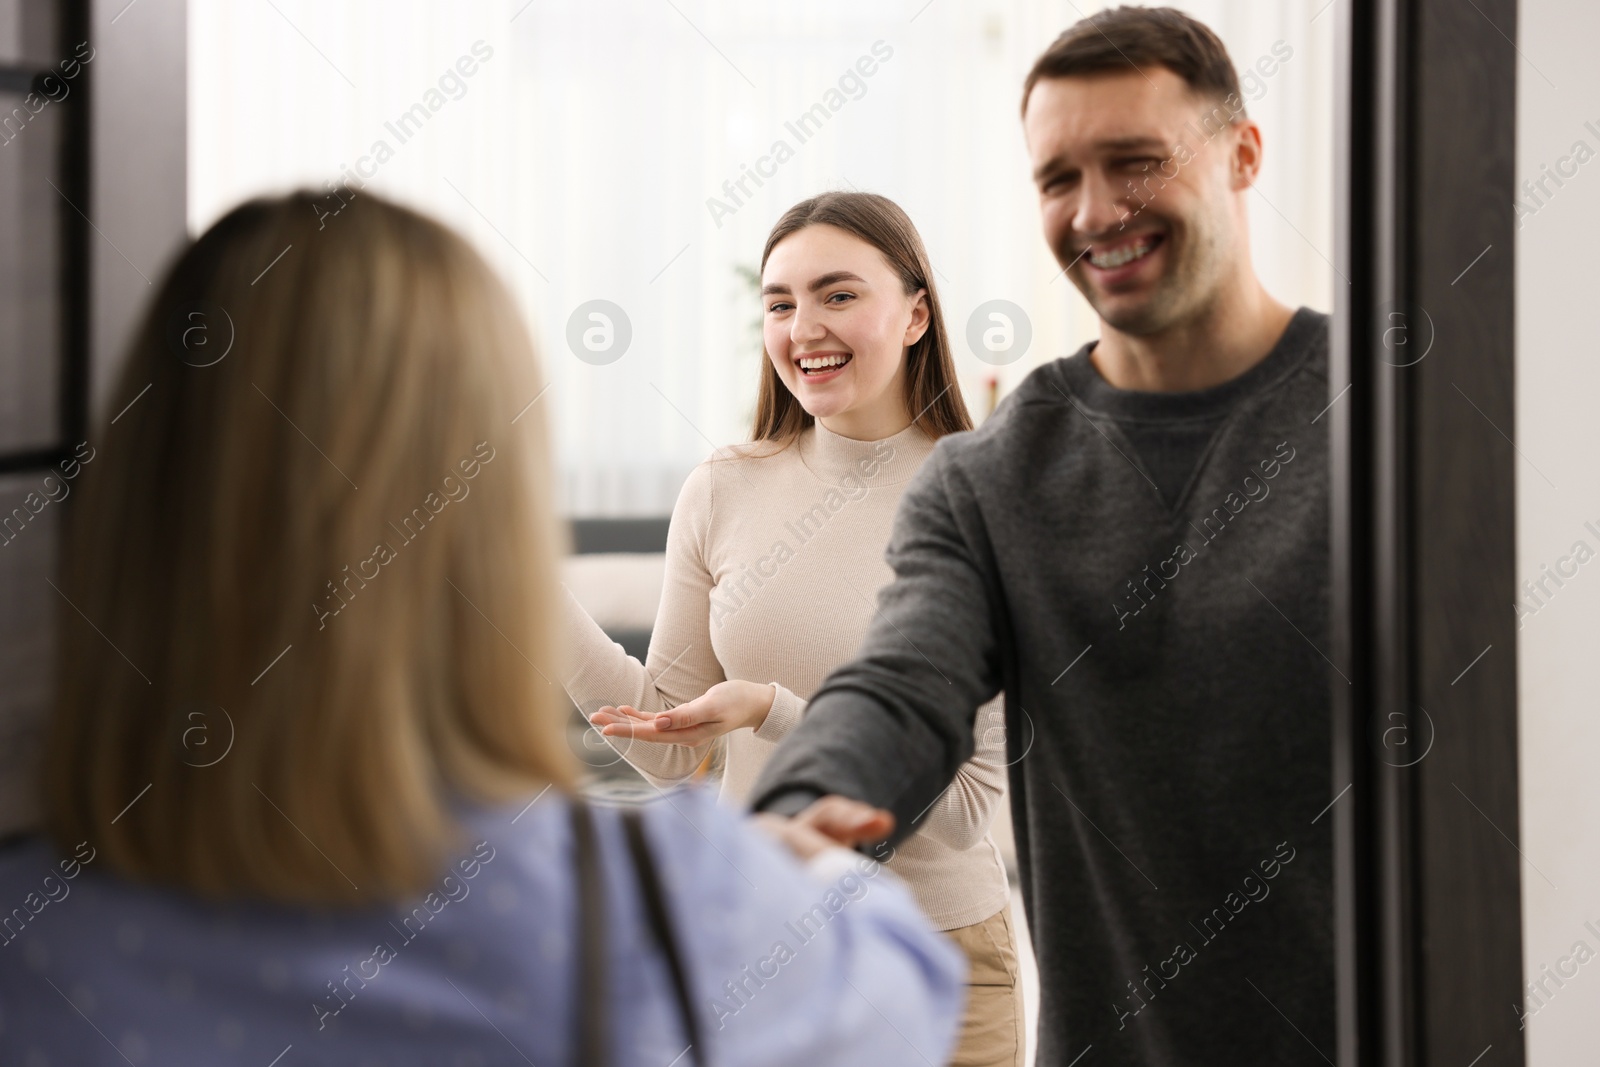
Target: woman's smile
[[818, 367]]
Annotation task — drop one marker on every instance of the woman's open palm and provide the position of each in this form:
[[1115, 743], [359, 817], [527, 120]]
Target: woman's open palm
[[725, 707]]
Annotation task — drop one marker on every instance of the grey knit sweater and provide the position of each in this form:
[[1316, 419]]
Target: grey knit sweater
[[1166, 690]]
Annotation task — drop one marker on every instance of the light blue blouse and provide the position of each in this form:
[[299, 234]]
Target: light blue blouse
[[824, 965]]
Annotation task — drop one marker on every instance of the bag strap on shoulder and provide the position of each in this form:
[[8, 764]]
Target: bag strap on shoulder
[[590, 1044], [661, 927], [591, 1041]]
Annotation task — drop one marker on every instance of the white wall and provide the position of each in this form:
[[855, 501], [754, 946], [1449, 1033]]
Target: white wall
[[581, 156], [1558, 493]]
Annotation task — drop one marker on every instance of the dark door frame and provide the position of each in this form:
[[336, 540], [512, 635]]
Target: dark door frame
[[1428, 903]]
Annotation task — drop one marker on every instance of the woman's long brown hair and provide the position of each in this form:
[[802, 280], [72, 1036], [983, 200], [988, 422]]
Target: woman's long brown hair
[[933, 397]]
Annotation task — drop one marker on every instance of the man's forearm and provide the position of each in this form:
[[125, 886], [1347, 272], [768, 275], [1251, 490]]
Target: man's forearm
[[840, 748]]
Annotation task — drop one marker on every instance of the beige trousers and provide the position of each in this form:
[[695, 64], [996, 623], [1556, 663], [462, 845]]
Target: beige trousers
[[992, 1028]]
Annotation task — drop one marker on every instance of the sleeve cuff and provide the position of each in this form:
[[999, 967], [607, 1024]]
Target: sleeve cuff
[[783, 716], [790, 802]]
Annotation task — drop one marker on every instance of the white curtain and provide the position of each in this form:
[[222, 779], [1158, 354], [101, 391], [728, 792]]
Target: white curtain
[[582, 149]]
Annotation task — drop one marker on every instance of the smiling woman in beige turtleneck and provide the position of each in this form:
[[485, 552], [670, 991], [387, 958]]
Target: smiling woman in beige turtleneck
[[775, 555]]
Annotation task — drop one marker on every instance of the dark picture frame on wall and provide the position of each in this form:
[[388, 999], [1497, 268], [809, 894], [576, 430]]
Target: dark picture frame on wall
[[44, 137], [46, 310], [97, 182]]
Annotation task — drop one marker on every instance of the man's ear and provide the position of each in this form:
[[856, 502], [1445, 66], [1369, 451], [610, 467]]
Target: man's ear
[[1246, 156]]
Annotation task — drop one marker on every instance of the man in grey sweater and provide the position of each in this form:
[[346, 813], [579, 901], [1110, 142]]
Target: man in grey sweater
[[1134, 548]]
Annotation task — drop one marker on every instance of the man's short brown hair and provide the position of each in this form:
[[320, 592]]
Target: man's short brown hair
[[1133, 38]]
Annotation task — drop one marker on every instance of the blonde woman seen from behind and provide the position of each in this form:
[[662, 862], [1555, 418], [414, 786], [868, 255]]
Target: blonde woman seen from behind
[[775, 555], [306, 780]]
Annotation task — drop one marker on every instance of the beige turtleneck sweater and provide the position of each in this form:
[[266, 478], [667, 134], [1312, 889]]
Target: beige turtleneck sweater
[[774, 561]]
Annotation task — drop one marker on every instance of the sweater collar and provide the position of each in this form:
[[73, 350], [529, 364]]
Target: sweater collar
[[1307, 330], [831, 457]]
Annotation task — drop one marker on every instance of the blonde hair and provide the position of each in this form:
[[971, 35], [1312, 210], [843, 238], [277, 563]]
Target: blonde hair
[[306, 389]]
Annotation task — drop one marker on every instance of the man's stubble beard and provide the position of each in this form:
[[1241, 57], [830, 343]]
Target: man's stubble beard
[[1186, 291]]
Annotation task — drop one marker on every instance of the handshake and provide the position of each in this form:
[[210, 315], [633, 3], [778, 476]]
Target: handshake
[[828, 822]]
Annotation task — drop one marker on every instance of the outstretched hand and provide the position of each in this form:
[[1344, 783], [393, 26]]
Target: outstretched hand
[[725, 707], [829, 822]]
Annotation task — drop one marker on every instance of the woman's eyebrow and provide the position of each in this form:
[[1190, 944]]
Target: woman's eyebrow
[[820, 282], [833, 277]]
